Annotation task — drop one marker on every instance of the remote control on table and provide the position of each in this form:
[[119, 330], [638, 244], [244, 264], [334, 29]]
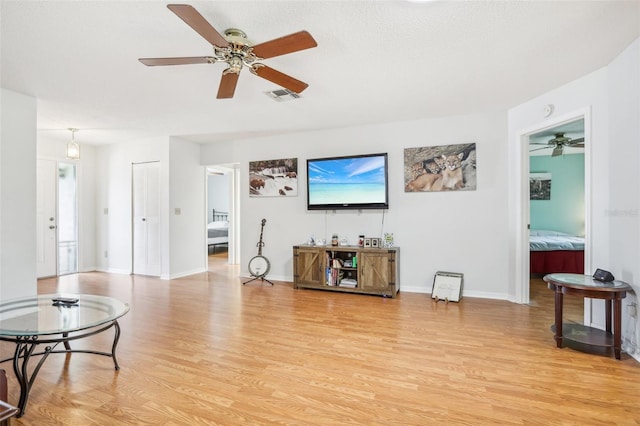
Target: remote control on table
[[65, 300]]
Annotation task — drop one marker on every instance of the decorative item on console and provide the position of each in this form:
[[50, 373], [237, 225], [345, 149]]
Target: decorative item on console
[[387, 240], [334, 240]]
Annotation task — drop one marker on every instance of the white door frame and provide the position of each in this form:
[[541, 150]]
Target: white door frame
[[234, 214], [522, 195]]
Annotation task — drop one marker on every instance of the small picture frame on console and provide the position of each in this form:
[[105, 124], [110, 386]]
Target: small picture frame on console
[[375, 242], [367, 242]]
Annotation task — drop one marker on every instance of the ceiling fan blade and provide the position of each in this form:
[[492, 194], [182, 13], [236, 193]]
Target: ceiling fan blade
[[283, 45], [193, 18], [577, 145], [152, 62], [538, 149], [576, 141], [278, 78], [227, 85], [557, 151]]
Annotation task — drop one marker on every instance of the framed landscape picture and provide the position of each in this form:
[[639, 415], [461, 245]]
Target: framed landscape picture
[[273, 178], [540, 186]]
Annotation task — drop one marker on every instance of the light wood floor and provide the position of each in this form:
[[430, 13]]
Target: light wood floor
[[207, 350]]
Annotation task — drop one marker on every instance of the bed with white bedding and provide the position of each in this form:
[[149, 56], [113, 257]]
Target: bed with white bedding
[[218, 230], [553, 252]]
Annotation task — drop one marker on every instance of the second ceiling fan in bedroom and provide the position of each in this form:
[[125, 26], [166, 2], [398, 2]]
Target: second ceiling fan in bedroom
[[235, 49], [558, 143]]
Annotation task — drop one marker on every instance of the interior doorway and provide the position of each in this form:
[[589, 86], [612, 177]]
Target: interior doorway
[[223, 213], [565, 136]]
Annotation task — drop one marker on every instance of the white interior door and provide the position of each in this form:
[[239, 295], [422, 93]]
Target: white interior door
[[146, 218], [46, 219]]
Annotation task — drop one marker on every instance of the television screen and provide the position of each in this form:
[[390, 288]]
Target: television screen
[[349, 182]]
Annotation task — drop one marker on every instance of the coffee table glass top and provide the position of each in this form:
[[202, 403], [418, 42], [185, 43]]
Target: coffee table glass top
[[38, 315], [585, 281]]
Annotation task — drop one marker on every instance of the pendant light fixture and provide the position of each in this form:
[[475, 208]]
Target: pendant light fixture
[[73, 149]]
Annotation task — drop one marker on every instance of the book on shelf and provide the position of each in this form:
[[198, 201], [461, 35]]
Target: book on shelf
[[334, 276]]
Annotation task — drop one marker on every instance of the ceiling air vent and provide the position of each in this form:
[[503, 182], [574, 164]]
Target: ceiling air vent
[[282, 95]]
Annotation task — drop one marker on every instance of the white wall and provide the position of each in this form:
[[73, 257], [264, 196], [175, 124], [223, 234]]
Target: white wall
[[451, 231], [56, 150], [183, 244], [623, 214], [113, 202], [623, 209], [18, 189], [611, 98], [187, 214]]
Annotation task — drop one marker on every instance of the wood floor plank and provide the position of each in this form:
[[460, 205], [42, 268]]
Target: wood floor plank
[[207, 350]]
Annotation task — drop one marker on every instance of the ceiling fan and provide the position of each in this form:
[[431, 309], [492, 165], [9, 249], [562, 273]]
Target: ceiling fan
[[237, 51], [559, 142]]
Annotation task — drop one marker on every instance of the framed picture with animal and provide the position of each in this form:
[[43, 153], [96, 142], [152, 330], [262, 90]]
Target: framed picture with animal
[[440, 168], [273, 178]]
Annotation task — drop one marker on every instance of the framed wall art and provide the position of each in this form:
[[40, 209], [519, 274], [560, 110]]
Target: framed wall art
[[440, 168], [540, 186], [273, 178]]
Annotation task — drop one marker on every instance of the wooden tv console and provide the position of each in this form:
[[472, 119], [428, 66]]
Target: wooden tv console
[[332, 268]]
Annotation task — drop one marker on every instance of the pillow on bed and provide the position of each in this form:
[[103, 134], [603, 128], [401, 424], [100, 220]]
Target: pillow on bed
[[544, 232]]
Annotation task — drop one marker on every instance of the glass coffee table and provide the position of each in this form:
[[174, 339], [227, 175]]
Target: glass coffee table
[[33, 321], [586, 286]]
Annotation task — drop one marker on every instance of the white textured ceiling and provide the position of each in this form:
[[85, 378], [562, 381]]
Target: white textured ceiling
[[376, 61]]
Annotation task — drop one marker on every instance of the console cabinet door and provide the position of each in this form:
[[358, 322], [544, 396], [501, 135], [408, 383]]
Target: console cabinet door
[[376, 270], [308, 267]]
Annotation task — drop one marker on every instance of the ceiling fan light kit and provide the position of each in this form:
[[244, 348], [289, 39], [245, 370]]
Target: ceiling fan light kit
[[557, 151], [235, 49]]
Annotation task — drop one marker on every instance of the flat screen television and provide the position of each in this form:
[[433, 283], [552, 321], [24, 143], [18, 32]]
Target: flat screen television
[[348, 182]]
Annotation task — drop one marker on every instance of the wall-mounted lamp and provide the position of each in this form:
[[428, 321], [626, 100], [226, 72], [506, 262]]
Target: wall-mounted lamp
[[73, 149]]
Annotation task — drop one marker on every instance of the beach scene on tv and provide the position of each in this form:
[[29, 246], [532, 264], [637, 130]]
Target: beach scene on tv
[[353, 180]]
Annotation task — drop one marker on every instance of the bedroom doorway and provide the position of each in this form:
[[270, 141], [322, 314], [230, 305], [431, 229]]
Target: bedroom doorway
[[222, 214], [560, 203]]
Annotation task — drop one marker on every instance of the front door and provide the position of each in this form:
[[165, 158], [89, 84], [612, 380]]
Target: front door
[[46, 219]]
